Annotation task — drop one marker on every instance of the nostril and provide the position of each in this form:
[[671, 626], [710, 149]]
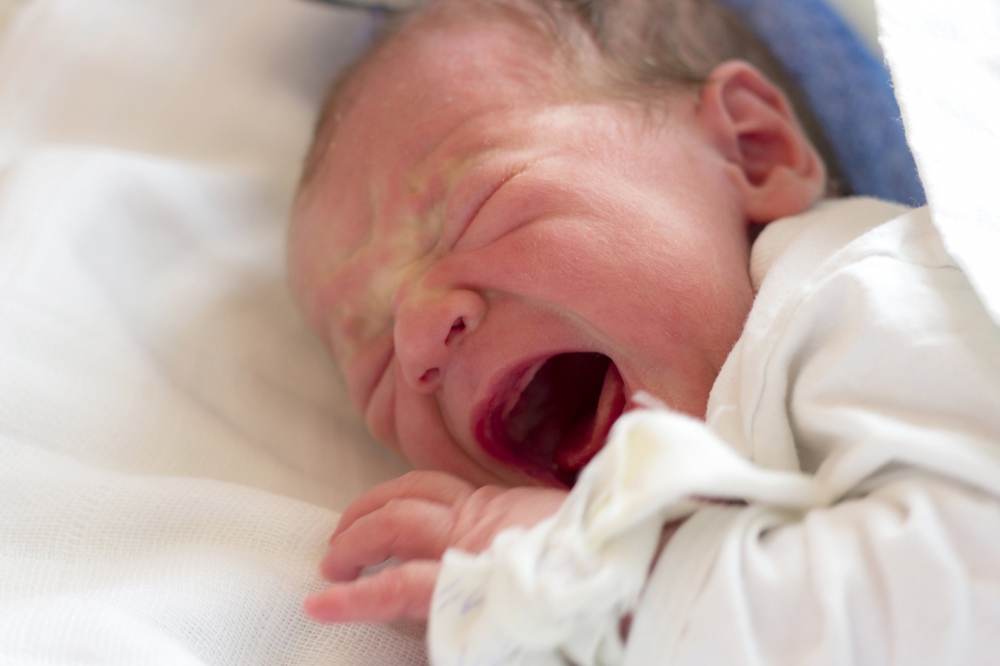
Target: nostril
[[430, 376], [456, 329], [430, 328]]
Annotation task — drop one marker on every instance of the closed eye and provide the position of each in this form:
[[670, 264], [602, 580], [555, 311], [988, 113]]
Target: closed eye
[[469, 199], [500, 214]]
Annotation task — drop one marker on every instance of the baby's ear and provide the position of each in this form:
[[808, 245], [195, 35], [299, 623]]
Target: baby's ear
[[772, 163]]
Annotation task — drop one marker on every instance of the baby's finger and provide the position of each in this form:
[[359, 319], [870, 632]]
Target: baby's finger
[[402, 592], [431, 486], [409, 529]]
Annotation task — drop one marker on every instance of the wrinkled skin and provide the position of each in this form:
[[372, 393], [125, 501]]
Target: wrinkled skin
[[468, 222]]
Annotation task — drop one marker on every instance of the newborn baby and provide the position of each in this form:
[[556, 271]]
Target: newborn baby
[[507, 229], [520, 215], [501, 241]]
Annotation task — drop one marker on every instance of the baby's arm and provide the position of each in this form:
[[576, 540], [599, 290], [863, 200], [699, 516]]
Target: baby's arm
[[415, 518], [906, 574]]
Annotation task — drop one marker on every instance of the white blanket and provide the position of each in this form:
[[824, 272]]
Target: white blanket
[[173, 441]]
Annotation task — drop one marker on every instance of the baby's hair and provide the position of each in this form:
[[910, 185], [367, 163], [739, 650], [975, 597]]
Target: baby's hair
[[642, 48]]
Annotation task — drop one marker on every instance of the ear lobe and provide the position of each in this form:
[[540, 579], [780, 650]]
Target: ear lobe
[[771, 161]]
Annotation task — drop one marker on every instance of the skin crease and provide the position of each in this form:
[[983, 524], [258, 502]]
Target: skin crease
[[471, 217]]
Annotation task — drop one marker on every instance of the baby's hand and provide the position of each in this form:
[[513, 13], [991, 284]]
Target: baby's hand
[[415, 518]]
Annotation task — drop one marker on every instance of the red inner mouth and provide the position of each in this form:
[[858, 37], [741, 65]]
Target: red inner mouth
[[562, 417]]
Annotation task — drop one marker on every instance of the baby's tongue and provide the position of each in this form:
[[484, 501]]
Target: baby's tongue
[[587, 437]]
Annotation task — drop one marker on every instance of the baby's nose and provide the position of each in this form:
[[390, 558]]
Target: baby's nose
[[429, 328]]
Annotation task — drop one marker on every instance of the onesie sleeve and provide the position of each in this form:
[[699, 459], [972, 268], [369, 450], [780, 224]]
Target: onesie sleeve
[[908, 574]]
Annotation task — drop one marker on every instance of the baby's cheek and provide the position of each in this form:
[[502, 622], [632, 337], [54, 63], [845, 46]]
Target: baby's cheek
[[380, 412], [305, 292]]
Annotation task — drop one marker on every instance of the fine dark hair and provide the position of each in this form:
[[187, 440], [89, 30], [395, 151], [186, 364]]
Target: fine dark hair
[[643, 47]]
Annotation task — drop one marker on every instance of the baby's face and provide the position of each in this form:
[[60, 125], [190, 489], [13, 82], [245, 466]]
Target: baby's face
[[498, 271]]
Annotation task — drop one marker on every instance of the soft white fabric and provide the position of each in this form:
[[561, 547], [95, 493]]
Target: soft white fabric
[[174, 443]]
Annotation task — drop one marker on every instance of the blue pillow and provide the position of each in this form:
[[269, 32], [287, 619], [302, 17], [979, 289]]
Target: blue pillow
[[848, 89]]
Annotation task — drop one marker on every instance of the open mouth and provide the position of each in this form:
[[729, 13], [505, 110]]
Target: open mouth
[[556, 416]]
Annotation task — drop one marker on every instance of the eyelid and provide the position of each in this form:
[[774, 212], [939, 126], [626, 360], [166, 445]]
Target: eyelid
[[470, 197]]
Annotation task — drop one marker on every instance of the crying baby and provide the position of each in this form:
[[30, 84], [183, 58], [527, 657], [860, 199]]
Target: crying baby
[[516, 216]]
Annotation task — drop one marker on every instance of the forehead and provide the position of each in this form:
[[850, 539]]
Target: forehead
[[415, 108], [445, 68]]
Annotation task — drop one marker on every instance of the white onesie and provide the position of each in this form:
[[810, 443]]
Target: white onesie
[[853, 436]]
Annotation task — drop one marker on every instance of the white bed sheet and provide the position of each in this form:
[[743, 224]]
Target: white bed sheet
[[174, 442]]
